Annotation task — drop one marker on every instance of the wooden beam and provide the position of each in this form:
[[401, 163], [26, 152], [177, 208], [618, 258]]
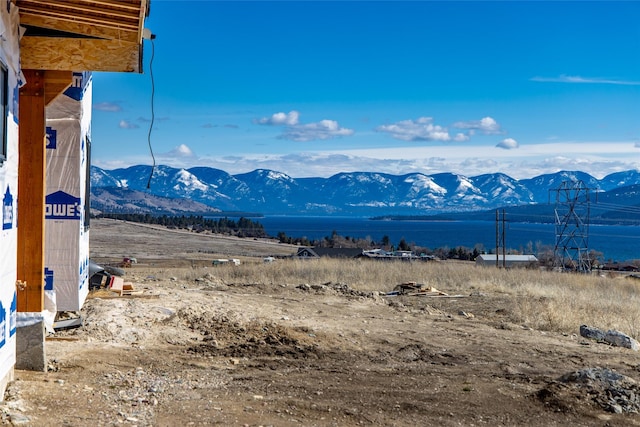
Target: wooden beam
[[116, 20], [31, 192], [44, 53], [143, 13], [113, 14], [83, 29], [55, 83], [83, 6]]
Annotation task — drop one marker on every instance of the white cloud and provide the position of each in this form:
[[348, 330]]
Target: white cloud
[[508, 144], [180, 156], [278, 119], [421, 129], [525, 162], [324, 129], [479, 164], [590, 80], [181, 150], [416, 159], [111, 107], [529, 160], [125, 124], [486, 125], [317, 164]]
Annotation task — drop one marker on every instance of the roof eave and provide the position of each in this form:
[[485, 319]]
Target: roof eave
[[83, 35]]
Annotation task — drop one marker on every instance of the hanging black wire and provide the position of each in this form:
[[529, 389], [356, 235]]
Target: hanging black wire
[[152, 113]]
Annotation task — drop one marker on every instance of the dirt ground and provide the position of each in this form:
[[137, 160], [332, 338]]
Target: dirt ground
[[198, 352]]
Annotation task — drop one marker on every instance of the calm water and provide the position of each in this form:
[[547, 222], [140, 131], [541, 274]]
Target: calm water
[[618, 243]]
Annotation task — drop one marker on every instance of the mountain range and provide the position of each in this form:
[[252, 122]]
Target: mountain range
[[208, 190]]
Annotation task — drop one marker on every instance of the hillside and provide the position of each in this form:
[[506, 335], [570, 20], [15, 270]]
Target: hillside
[[358, 193]]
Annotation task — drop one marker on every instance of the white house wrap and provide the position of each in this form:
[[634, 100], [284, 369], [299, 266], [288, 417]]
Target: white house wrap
[[66, 219], [10, 59]]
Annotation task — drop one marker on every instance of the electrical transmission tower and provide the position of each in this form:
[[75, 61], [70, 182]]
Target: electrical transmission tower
[[571, 250]]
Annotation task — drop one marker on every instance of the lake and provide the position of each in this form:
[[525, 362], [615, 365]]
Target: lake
[[616, 242]]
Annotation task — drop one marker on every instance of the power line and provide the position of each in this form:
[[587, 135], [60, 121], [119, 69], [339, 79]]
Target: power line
[[153, 116]]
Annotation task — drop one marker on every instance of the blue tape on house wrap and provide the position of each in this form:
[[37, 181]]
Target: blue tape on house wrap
[[13, 314]]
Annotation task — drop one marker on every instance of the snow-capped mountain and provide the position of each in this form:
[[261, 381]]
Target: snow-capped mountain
[[353, 193], [542, 186], [620, 179]]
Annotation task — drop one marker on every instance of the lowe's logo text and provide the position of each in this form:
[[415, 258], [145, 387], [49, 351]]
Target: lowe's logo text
[[60, 205], [78, 85], [52, 138]]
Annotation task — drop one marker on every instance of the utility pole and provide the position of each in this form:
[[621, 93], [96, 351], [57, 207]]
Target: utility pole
[[501, 239], [504, 241], [497, 237]]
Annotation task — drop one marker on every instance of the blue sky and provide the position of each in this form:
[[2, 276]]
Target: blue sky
[[316, 88]]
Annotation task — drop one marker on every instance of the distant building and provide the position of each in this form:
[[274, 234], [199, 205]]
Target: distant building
[[509, 261], [377, 252], [620, 267], [317, 252], [382, 255], [224, 261]]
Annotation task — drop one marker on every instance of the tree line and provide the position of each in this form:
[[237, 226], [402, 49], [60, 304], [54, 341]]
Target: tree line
[[336, 240], [545, 254], [243, 227]]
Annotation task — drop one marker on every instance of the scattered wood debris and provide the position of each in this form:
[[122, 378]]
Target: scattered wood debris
[[124, 288], [419, 289]]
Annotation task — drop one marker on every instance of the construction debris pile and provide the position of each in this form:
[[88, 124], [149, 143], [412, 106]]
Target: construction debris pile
[[419, 289]]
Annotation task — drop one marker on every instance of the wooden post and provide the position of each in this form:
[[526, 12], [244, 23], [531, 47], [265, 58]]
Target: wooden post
[[31, 192]]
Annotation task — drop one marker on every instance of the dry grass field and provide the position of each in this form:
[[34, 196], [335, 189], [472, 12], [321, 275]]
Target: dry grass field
[[541, 300], [318, 343]]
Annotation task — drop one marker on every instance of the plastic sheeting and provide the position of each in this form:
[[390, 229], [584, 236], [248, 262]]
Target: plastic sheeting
[[67, 238], [10, 57]]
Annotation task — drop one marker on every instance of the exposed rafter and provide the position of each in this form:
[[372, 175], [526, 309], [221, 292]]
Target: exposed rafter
[[121, 15], [82, 35]]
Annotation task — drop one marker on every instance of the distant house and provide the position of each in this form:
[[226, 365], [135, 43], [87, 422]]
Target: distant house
[[405, 254], [382, 255], [318, 252], [509, 261], [620, 267], [224, 261], [377, 252]]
